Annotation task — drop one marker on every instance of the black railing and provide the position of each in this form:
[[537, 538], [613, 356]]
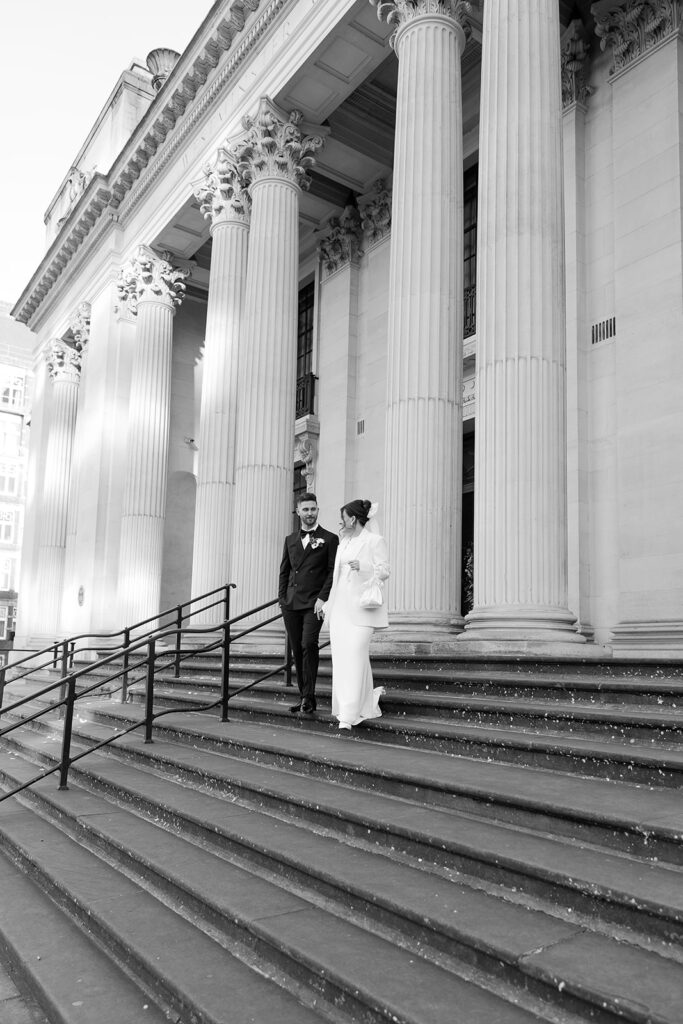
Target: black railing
[[149, 661], [305, 395], [470, 311], [61, 653]]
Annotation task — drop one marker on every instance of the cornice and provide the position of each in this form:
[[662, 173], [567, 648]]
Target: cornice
[[154, 142]]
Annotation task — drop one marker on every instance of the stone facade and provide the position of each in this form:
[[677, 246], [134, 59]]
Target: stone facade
[[166, 427]]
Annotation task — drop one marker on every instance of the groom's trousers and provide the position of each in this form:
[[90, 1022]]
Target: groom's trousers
[[303, 629]]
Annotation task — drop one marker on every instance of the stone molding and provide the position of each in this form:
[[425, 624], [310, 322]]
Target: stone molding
[[79, 324], [63, 361], [150, 276], [104, 194], [633, 27], [279, 145], [223, 192], [402, 12], [375, 211], [342, 242], [574, 52]]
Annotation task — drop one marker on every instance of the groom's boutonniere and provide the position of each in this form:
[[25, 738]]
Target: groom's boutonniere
[[317, 542]]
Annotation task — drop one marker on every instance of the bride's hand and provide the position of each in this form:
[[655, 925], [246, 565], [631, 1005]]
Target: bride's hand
[[354, 564]]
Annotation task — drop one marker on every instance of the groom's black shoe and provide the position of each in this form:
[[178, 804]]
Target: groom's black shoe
[[295, 708], [308, 707]]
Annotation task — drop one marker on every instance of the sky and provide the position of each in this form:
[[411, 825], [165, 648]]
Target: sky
[[59, 61]]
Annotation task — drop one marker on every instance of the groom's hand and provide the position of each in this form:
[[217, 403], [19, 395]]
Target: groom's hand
[[318, 609]]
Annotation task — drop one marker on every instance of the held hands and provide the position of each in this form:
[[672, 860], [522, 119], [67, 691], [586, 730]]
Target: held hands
[[354, 564]]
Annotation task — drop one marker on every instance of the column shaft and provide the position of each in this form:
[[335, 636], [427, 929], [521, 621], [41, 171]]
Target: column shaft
[[54, 510], [521, 459], [216, 470], [267, 372], [424, 423], [144, 503]]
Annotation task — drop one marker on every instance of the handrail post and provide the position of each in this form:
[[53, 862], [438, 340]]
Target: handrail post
[[3, 670], [126, 663], [179, 626], [225, 671], [66, 735], [288, 663], [65, 663], [55, 654], [149, 691], [226, 600], [72, 648]]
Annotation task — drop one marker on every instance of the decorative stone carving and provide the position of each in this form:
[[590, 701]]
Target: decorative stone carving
[[161, 63], [342, 242], [400, 12], [574, 51], [306, 451], [80, 325], [632, 27], [63, 361], [223, 192], [150, 275], [275, 147], [375, 211]]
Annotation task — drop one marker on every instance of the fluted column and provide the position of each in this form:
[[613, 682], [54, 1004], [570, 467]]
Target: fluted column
[[64, 365], [520, 545], [80, 329], [278, 153], [224, 199], [151, 284], [424, 376]]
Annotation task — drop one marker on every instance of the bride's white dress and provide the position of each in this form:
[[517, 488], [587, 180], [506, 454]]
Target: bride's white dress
[[353, 697]]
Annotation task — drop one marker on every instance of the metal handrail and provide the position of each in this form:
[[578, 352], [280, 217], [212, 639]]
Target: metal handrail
[[68, 695], [64, 650]]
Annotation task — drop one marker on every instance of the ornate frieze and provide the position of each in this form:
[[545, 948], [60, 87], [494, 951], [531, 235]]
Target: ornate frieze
[[274, 145], [574, 51], [375, 211], [400, 12], [80, 325], [342, 241], [150, 275], [63, 361], [632, 27], [223, 192]]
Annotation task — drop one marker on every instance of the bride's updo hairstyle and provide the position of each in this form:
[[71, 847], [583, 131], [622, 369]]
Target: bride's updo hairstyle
[[359, 509]]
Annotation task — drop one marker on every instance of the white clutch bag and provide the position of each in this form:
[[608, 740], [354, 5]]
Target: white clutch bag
[[371, 595]]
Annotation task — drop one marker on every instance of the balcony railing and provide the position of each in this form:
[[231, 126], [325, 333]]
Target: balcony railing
[[305, 395], [470, 311]]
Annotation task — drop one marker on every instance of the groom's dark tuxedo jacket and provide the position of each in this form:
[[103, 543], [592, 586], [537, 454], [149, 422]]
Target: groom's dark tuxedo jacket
[[306, 573]]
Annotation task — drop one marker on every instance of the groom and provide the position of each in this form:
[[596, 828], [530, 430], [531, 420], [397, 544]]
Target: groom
[[305, 582]]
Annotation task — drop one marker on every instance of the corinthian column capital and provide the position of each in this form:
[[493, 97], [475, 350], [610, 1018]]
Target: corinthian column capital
[[63, 361], [150, 276], [80, 325], [632, 27], [223, 191], [279, 145], [402, 12], [574, 51], [342, 240]]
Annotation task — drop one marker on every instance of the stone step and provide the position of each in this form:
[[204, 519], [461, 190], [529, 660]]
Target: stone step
[[35, 932], [612, 756], [437, 914], [339, 968], [643, 821]]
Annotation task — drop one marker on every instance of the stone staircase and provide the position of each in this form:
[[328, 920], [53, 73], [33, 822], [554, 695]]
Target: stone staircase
[[505, 845]]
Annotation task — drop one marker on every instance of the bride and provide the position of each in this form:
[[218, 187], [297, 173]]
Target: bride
[[361, 561]]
